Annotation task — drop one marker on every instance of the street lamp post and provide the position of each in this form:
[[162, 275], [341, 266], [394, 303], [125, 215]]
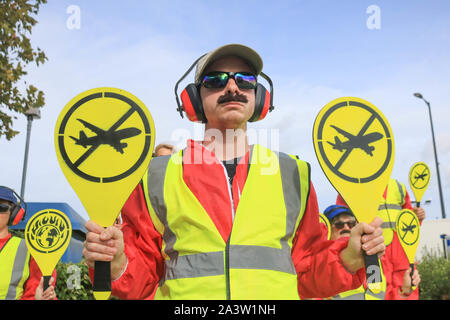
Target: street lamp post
[[31, 113], [418, 95]]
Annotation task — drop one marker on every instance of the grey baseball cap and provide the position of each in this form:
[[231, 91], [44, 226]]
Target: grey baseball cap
[[238, 50]]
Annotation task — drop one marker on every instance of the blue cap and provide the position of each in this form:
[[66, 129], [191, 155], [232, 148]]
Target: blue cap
[[334, 210], [7, 194]]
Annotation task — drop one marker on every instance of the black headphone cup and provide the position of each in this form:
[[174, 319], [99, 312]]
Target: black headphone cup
[[196, 102], [260, 102]]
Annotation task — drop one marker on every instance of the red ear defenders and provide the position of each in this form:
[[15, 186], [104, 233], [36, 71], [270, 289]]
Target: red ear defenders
[[191, 102], [18, 211]]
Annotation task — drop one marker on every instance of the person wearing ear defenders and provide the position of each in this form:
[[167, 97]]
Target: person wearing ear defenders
[[222, 219], [20, 277], [395, 263]]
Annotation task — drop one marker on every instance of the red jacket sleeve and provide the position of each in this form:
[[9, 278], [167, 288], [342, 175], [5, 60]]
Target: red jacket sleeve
[[395, 256], [317, 259], [407, 204], [143, 250]]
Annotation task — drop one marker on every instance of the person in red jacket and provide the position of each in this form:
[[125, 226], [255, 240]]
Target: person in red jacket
[[342, 221], [223, 219], [395, 262], [21, 277]]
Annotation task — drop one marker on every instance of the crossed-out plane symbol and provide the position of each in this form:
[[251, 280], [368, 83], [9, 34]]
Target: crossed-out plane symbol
[[360, 141], [420, 176], [408, 228], [111, 137]]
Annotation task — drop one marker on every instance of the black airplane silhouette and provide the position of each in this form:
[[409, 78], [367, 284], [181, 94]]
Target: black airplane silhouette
[[420, 176], [110, 137], [408, 228], [361, 142]]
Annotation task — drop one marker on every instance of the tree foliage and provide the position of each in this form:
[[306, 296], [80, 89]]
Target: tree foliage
[[73, 282], [16, 23], [435, 276]]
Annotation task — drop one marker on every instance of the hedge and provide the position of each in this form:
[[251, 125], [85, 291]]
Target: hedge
[[73, 282], [434, 272]]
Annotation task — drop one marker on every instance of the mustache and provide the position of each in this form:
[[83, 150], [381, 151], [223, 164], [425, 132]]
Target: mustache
[[230, 97], [344, 232]]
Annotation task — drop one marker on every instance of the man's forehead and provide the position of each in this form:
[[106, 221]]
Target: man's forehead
[[229, 62], [345, 216]]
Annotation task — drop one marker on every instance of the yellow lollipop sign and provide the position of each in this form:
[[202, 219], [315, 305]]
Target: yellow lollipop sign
[[355, 148], [47, 235], [323, 219], [104, 140], [408, 231], [419, 178]]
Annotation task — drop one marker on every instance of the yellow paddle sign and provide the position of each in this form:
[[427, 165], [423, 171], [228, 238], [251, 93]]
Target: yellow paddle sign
[[104, 140], [47, 235], [419, 178], [323, 219], [354, 145], [408, 232]]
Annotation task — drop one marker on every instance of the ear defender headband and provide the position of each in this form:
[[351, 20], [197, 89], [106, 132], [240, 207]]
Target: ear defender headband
[[191, 102], [18, 211]]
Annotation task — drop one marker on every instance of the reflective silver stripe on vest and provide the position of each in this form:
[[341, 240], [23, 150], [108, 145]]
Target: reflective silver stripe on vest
[[241, 257], [388, 206], [379, 296], [387, 225], [157, 173], [400, 189], [156, 176], [290, 179], [263, 258], [361, 296], [356, 296], [17, 273], [195, 265]]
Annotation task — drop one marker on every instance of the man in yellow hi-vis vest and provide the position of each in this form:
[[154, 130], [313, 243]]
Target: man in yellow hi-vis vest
[[223, 219], [20, 277]]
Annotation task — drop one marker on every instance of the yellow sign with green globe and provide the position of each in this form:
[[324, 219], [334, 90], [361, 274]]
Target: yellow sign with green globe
[[47, 235]]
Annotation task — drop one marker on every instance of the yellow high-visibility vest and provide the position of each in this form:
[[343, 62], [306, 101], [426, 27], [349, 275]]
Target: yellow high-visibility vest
[[255, 262], [390, 208], [14, 268], [361, 293]]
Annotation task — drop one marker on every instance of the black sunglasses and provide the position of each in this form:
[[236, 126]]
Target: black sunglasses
[[219, 79], [340, 224], [4, 207]]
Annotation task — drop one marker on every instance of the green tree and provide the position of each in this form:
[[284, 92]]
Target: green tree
[[16, 22], [434, 272], [73, 282]]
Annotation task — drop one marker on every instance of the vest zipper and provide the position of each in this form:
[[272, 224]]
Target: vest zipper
[[230, 191], [227, 246], [227, 268]]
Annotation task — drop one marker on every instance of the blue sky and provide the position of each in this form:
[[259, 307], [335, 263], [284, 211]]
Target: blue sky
[[314, 51]]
